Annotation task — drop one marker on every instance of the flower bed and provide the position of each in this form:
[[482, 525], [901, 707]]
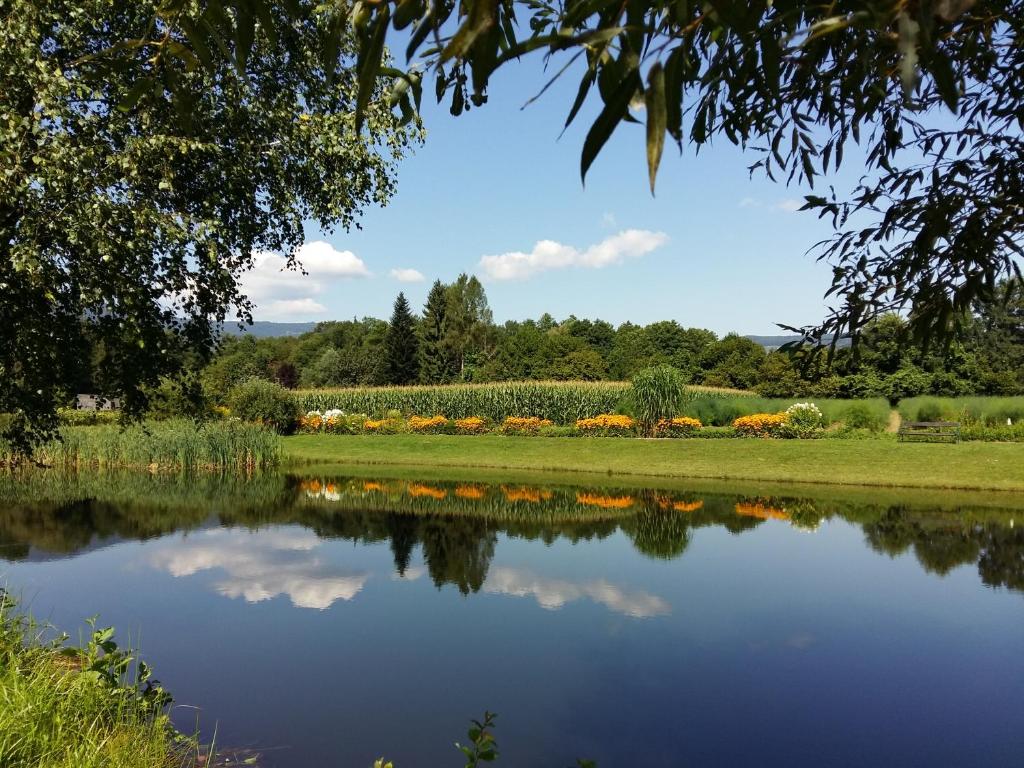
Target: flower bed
[[680, 426], [516, 425], [607, 425]]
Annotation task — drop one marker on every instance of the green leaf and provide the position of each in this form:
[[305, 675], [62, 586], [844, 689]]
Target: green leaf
[[480, 18], [371, 55], [657, 120], [140, 87], [245, 32], [674, 93], [945, 79], [615, 109]]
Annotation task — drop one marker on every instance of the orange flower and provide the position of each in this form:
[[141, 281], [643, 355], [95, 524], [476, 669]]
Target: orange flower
[[470, 492], [605, 502], [470, 424], [525, 493], [761, 511], [524, 425], [371, 485], [760, 424], [606, 422], [421, 424], [688, 506], [418, 489]]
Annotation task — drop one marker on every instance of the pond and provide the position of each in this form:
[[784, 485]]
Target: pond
[[329, 619]]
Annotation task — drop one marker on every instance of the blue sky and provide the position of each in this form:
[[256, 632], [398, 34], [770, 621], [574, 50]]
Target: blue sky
[[713, 248]]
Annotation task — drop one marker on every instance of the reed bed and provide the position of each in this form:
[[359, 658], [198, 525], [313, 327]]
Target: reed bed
[[563, 402], [172, 444]]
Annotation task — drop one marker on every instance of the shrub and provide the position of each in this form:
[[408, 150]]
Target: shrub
[[658, 393], [803, 421], [471, 425], [434, 425], [264, 402], [608, 425], [760, 424], [75, 417], [680, 426], [860, 415], [517, 425], [391, 424]]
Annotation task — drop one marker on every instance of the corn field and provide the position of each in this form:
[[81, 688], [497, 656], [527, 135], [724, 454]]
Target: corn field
[[561, 402]]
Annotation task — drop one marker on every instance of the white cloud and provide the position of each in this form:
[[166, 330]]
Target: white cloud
[[282, 293], [553, 594], [788, 205], [257, 566], [608, 219], [548, 254], [406, 275]]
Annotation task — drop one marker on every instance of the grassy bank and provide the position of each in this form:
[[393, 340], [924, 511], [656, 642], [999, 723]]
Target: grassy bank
[[68, 708], [989, 466], [172, 444]]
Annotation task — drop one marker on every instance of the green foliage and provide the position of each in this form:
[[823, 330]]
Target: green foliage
[[80, 708], [436, 366], [988, 411], [561, 402], [174, 443], [81, 417], [266, 403], [657, 393], [401, 345], [860, 415], [803, 421], [482, 747], [139, 181]]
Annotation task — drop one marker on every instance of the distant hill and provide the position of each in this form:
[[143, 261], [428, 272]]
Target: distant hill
[[262, 329], [774, 342]]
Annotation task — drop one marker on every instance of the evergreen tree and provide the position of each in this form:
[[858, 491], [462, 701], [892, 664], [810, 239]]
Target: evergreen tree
[[436, 365], [401, 347]]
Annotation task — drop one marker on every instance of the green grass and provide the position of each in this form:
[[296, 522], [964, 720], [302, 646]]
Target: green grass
[[172, 444], [982, 466], [988, 411], [69, 708]]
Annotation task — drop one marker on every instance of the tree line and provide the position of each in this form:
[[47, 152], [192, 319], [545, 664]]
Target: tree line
[[454, 339]]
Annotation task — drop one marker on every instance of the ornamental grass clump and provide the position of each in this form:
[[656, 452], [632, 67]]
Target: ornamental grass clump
[[658, 393], [607, 425], [680, 426], [518, 425]]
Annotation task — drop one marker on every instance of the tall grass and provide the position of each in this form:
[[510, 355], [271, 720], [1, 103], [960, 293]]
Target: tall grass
[[561, 402], [69, 708], [986, 411], [870, 414], [172, 444]]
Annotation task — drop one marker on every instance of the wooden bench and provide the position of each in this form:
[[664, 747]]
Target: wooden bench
[[930, 431]]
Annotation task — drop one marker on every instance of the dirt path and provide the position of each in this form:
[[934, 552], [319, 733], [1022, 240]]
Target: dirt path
[[894, 421]]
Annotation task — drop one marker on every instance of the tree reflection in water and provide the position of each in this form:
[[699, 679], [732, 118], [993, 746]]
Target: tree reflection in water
[[457, 525]]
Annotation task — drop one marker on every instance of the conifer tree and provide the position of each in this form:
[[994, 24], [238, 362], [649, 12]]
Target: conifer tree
[[401, 346], [435, 357]]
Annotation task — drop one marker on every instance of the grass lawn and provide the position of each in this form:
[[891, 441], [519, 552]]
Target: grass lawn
[[882, 462]]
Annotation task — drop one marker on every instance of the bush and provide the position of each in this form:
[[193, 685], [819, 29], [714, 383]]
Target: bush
[[760, 424], [859, 415], [607, 425], [803, 421], [658, 393], [530, 425], [391, 424], [471, 425], [434, 425], [680, 426], [264, 402], [80, 417]]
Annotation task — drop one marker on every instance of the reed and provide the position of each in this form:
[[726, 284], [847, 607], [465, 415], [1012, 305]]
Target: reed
[[172, 444], [982, 411]]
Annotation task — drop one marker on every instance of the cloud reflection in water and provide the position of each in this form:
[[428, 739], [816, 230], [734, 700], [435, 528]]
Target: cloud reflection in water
[[259, 566]]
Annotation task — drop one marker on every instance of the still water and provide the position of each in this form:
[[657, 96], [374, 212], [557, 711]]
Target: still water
[[329, 620]]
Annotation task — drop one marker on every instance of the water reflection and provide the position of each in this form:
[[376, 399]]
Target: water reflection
[[553, 594], [260, 566], [455, 527]]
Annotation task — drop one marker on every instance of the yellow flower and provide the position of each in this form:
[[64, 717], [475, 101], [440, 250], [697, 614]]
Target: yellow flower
[[606, 422]]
